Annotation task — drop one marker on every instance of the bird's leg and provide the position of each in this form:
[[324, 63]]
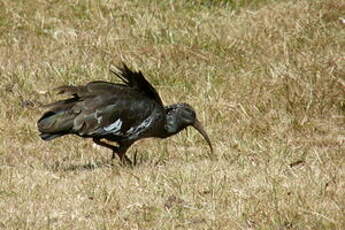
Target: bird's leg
[[109, 146], [122, 154], [115, 149], [120, 151]]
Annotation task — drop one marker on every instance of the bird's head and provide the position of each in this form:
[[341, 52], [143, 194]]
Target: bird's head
[[179, 117]]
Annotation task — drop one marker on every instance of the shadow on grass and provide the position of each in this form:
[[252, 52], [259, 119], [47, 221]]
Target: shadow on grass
[[89, 166], [66, 165], [93, 165]]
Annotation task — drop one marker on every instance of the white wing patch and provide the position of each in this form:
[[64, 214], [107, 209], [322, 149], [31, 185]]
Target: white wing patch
[[114, 127], [98, 117], [133, 132]]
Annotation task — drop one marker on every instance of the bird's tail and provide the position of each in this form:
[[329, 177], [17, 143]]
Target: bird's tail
[[54, 124]]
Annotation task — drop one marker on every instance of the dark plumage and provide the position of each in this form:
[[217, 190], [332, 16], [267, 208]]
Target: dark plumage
[[121, 113]]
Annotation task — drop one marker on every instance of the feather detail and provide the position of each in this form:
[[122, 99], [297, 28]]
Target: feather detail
[[103, 109], [68, 89], [136, 80]]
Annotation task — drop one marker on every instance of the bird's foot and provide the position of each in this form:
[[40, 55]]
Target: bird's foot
[[125, 161]]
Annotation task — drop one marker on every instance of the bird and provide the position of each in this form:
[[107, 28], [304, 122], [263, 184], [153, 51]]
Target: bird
[[120, 113]]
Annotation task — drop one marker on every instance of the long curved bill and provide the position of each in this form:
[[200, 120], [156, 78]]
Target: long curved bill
[[197, 125]]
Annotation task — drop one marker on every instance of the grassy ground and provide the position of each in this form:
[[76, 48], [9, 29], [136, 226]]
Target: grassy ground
[[267, 79]]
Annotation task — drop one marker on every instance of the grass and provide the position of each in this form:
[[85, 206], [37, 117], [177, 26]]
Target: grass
[[267, 79]]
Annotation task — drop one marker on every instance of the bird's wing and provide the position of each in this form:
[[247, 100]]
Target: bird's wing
[[137, 80], [131, 79], [103, 108], [99, 109], [105, 115], [92, 89]]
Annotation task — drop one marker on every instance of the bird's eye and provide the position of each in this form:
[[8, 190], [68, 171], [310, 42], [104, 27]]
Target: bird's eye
[[191, 113], [188, 114]]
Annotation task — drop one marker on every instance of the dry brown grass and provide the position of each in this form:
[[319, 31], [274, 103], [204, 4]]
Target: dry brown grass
[[267, 80]]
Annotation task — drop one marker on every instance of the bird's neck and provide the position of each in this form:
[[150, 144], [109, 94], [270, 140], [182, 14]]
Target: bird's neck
[[168, 124], [171, 123]]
